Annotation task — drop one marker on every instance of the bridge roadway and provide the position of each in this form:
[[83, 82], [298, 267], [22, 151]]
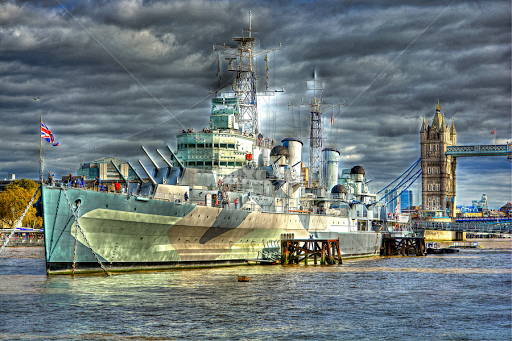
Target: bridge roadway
[[504, 226], [480, 150]]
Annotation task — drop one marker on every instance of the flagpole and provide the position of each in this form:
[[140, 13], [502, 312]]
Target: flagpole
[[40, 148]]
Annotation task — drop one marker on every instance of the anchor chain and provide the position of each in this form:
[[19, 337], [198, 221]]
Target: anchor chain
[[55, 220], [76, 238], [83, 233], [19, 220]]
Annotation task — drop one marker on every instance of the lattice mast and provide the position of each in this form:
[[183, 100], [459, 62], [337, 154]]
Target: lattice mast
[[315, 108], [241, 60], [315, 133]]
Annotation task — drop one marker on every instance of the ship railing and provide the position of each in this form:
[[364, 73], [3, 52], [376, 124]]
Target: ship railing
[[22, 237], [269, 255], [169, 197]]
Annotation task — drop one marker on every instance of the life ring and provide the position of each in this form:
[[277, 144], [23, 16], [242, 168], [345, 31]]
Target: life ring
[[200, 203]]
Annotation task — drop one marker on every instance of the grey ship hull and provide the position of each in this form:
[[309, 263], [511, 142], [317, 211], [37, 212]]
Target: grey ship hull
[[130, 233]]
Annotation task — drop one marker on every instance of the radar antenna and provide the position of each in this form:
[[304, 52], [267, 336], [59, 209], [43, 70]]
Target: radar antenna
[[241, 61], [316, 108]]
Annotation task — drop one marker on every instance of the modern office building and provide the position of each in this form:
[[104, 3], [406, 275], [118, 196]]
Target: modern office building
[[105, 170], [481, 205], [406, 200]]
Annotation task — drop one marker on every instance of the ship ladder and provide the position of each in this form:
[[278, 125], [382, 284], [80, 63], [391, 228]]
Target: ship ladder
[[78, 227], [19, 220], [225, 196]]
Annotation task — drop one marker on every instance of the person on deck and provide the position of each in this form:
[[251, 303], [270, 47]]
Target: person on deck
[[236, 203], [186, 196], [117, 186]]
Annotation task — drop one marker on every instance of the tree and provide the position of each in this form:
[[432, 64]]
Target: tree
[[29, 185], [13, 202]]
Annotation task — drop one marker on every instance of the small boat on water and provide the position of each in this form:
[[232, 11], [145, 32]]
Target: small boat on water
[[468, 245], [433, 248]]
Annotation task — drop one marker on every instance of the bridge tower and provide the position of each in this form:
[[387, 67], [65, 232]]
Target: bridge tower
[[438, 169]]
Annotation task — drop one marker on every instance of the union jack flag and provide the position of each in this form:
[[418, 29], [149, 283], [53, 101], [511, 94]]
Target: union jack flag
[[47, 135]]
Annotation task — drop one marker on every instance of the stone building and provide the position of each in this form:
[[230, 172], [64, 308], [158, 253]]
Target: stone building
[[438, 169]]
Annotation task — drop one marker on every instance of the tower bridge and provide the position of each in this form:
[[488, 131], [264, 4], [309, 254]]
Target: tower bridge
[[483, 150], [439, 153]]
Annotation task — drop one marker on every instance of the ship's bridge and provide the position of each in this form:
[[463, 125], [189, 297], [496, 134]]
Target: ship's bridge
[[225, 111], [222, 146]]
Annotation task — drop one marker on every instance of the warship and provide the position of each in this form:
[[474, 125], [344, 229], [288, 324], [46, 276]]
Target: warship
[[226, 196]]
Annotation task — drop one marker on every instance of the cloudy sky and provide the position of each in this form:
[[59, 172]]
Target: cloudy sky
[[114, 75]]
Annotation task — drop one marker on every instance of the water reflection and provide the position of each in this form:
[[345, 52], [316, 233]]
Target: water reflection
[[461, 296]]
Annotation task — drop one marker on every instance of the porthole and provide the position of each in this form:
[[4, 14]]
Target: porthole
[[77, 203]]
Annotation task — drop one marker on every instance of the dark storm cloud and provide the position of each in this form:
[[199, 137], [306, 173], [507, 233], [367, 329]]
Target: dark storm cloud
[[136, 64]]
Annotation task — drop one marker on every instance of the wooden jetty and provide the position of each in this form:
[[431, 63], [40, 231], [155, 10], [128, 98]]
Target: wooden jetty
[[405, 246], [297, 250]]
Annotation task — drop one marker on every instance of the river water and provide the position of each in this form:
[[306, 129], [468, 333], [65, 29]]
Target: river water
[[464, 296]]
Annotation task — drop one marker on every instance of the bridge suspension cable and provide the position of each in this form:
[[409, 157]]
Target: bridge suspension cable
[[409, 169], [411, 180], [403, 182]]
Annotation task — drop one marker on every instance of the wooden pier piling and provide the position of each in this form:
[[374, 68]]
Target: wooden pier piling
[[297, 250], [405, 246]]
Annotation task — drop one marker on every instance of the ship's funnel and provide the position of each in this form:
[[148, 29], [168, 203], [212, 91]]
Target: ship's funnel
[[279, 155], [294, 146], [330, 169]]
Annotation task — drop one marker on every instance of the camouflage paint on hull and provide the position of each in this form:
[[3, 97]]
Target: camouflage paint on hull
[[130, 233]]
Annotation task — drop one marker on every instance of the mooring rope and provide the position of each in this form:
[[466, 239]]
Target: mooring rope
[[16, 225], [83, 233]]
